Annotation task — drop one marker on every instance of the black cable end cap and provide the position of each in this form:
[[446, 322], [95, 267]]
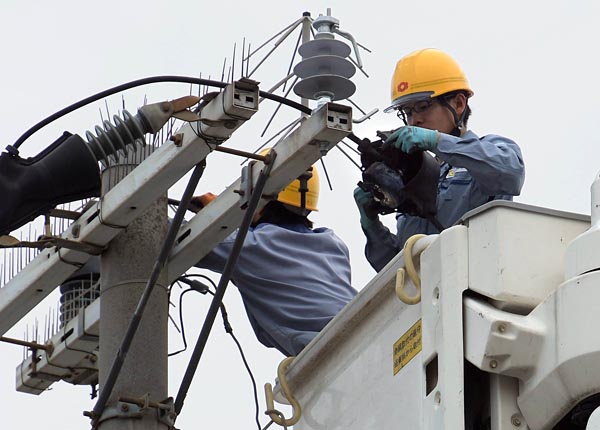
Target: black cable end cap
[[12, 150]]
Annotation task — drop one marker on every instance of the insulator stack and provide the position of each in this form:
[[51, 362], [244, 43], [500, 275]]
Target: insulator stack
[[121, 135], [325, 69]]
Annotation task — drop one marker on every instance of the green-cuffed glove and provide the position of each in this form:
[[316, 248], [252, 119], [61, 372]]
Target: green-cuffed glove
[[366, 204], [409, 139]]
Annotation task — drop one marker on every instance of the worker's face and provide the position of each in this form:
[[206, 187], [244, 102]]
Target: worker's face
[[434, 115]]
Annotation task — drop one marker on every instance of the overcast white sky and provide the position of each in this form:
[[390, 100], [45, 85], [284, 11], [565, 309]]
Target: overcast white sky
[[532, 65]]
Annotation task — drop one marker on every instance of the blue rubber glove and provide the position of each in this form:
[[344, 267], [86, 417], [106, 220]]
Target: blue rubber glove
[[409, 139], [363, 200]]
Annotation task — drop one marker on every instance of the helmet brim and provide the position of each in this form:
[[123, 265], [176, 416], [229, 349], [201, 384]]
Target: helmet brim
[[414, 97]]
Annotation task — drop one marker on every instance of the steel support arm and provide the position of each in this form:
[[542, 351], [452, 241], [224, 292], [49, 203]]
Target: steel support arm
[[127, 200], [316, 135]]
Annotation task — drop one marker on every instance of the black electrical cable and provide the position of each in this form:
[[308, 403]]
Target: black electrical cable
[[198, 275], [228, 329], [247, 366], [202, 289], [138, 83], [145, 81], [172, 354], [119, 359], [225, 277], [111, 91]]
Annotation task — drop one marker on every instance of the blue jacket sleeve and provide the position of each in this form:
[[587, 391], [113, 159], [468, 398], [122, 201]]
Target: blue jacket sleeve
[[381, 246], [495, 162], [216, 259]]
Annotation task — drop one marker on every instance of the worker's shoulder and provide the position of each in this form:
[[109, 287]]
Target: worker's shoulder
[[295, 231], [491, 137]]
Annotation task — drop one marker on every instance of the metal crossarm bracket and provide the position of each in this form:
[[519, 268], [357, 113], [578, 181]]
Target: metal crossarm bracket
[[125, 202], [246, 185], [327, 126]]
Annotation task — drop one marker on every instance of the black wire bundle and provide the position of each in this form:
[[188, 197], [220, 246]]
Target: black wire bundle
[[201, 288]]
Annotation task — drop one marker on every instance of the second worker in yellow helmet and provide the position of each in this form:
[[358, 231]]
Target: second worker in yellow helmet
[[293, 278], [430, 94]]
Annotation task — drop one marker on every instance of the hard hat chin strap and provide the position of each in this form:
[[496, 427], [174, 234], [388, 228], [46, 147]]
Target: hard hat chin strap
[[458, 120], [303, 188]]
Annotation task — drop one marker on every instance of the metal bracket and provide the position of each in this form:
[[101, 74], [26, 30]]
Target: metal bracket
[[246, 179], [120, 410], [83, 335], [365, 116], [157, 114], [246, 185], [133, 408], [165, 410], [50, 241], [168, 416]]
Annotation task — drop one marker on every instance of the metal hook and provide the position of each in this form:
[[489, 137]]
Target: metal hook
[[348, 36], [412, 273], [296, 409], [365, 117]]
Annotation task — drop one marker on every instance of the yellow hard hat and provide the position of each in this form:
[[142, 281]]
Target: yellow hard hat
[[426, 73], [292, 195]]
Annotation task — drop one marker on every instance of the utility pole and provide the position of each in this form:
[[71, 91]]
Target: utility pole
[[126, 267]]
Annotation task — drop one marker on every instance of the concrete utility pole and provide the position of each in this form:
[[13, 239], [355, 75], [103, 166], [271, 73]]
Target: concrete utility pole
[[126, 267]]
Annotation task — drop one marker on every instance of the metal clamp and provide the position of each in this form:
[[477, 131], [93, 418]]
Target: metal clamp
[[134, 408], [246, 179], [165, 409], [121, 410], [246, 185]]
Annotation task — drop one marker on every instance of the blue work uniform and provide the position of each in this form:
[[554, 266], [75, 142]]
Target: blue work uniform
[[293, 281], [473, 171]]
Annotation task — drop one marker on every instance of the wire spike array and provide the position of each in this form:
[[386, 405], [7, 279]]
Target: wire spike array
[[13, 260], [223, 70], [232, 68], [289, 128], [243, 53], [277, 108]]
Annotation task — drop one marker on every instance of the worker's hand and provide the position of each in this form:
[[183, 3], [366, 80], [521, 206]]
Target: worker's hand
[[366, 207], [198, 202], [409, 139]]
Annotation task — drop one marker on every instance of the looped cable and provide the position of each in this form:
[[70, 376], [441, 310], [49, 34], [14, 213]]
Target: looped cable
[[72, 263], [101, 219], [412, 272], [276, 416]]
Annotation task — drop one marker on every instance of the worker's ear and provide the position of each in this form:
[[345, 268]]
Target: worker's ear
[[459, 103]]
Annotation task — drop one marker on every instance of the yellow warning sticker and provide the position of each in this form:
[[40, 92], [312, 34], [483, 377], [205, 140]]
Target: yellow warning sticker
[[407, 347]]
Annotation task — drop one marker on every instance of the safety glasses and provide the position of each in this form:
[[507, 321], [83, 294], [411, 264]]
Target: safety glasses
[[405, 112]]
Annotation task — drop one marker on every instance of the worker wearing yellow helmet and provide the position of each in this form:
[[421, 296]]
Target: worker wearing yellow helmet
[[426, 78], [430, 93], [293, 278], [302, 195]]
